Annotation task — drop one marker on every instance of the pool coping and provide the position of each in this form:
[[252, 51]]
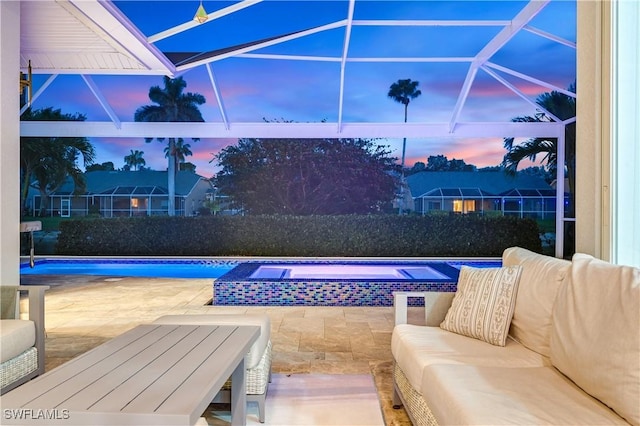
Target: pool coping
[[243, 271]]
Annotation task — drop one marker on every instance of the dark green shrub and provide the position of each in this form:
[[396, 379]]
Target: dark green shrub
[[352, 235]]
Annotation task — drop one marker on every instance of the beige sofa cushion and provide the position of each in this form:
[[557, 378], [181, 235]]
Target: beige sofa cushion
[[595, 339], [483, 305], [415, 346], [541, 277], [481, 395], [16, 336], [253, 357]]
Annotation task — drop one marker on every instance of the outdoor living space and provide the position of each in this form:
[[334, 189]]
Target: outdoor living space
[[584, 50], [83, 312]]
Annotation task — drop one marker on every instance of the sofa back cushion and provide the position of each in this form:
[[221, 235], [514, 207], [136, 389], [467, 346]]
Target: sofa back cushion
[[541, 277], [595, 339]]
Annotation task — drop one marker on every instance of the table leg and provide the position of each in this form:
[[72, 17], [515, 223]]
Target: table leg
[[238, 396]]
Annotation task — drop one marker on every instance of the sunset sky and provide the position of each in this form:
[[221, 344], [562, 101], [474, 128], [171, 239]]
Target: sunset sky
[[254, 89]]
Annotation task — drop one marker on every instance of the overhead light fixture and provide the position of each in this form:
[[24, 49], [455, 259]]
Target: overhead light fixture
[[201, 15]]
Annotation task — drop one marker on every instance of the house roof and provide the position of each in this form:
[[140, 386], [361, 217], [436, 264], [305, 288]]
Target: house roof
[[142, 182], [475, 184]]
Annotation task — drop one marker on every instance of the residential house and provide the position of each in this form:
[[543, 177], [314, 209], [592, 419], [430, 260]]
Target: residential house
[[482, 192], [129, 193]]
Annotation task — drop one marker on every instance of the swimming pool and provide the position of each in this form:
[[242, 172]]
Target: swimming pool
[[157, 268], [280, 282]]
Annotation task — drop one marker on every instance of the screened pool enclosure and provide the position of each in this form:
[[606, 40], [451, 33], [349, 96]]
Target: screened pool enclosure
[[468, 56]]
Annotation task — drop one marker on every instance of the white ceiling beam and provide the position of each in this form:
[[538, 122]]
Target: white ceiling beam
[[102, 100], [38, 92], [338, 59], [414, 59], [343, 61], [550, 36], [192, 23], [290, 57], [104, 71], [530, 79], [258, 46], [430, 23], [216, 91], [519, 93], [286, 130], [521, 19], [462, 97]]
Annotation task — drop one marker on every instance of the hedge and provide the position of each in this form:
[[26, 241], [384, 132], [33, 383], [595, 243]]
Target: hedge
[[322, 236]]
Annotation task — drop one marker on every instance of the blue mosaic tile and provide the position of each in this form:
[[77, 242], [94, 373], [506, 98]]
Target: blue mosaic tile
[[237, 288]]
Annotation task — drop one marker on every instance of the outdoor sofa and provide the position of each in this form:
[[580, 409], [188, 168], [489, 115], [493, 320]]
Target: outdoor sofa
[[21, 339], [571, 356]]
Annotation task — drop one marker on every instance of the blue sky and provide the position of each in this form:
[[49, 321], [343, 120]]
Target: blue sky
[[308, 91]]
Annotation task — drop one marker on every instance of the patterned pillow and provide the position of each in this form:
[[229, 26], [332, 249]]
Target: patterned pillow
[[483, 305]]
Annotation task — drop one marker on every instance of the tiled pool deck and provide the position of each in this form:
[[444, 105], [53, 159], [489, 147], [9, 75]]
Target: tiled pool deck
[[84, 311]]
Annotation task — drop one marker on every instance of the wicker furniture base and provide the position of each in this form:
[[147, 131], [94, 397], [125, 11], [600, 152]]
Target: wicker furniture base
[[30, 363], [23, 366], [413, 402], [257, 381]]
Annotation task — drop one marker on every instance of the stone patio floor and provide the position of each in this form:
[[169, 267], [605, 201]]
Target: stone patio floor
[[83, 312]]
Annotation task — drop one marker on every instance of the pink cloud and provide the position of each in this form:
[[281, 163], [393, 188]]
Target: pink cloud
[[481, 152]]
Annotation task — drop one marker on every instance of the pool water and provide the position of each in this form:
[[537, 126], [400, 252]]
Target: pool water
[[279, 282], [158, 268]]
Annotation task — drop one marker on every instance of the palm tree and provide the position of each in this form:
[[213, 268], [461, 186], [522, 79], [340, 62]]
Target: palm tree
[[403, 91], [563, 107], [135, 160], [181, 151], [174, 106], [46, 162]]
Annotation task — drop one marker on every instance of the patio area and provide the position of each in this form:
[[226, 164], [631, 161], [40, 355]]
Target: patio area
[[83, 312]]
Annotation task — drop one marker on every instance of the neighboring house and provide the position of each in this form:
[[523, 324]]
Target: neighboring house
[[482, 192], [129, 193]]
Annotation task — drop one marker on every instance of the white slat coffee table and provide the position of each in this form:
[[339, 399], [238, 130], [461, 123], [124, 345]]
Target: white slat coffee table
[[151, 375]]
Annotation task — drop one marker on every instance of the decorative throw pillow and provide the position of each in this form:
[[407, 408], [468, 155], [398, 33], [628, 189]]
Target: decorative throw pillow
[[483, 305]]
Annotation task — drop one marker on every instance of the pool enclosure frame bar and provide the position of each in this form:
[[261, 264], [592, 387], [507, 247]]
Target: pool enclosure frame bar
[[146, 59]]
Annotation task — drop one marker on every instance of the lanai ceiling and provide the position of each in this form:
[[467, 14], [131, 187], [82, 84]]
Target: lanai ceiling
[[336, 46]]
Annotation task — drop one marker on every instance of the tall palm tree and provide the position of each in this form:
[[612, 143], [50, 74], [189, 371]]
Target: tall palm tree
[[403, 91], [46, 162], [181, 151], [563, 107], [174, 106], [135, 160]]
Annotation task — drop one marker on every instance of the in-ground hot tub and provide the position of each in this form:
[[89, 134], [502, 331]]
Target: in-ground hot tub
[[347, 272], [334, 283]]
